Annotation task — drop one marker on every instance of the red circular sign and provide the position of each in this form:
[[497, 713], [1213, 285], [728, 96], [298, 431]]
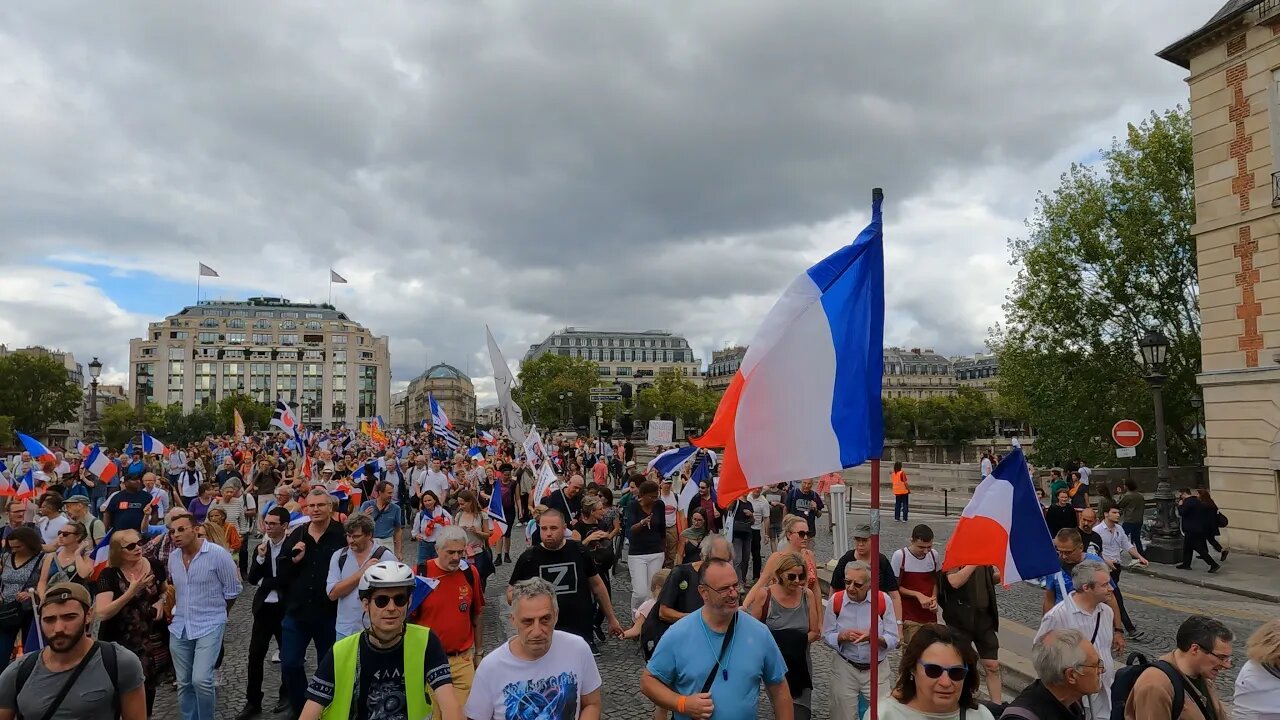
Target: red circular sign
[[1127, 433]]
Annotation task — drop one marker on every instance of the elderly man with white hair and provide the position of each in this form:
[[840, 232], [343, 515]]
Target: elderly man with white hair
[[846, 624], [1069, 670], [1086, 609]]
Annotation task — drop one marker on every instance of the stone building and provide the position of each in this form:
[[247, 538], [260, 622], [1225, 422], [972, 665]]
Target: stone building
[[723, 366], [979, 371], [629, 360], [452, 390], [331, 369], [1234, 79], [916, 373]]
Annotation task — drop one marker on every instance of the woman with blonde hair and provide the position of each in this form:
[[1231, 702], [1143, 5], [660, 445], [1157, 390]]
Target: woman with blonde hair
[[1257, 693], [795, 539], [130, 604], [792, 612], [69, 561], [217, 531]]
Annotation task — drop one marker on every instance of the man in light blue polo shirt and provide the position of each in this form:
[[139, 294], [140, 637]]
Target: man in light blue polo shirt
[[387, 520], [686, 657]]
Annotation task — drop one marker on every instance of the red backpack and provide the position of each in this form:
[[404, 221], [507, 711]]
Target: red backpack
[[837, 602]]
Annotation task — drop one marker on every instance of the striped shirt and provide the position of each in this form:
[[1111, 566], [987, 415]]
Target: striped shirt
[[202, 590], [236, 514]]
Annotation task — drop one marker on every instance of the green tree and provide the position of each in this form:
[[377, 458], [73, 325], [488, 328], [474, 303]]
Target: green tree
[[119, 422], [256, 415], [901, 418], [674, 396], [6, 430], [543, 379], [955, 420], [36, 392], [1108, 256]]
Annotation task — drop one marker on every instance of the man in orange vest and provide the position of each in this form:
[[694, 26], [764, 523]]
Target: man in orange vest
[[900, 493]]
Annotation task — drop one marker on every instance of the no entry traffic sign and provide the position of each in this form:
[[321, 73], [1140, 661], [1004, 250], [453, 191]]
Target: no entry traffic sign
[[1127, 433]]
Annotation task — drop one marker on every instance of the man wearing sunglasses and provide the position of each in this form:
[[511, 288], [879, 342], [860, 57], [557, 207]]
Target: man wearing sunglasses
[[1086, 610], [862, 551], [392, 670], [845, 625]]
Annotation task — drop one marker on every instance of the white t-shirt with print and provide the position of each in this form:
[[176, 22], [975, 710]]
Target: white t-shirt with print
[[551, 686]]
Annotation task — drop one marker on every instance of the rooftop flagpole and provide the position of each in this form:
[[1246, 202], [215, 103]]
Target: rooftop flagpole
[[877, 195]]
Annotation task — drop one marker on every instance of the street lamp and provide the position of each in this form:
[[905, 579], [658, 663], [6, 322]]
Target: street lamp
[[1166, 540], [91, 432]]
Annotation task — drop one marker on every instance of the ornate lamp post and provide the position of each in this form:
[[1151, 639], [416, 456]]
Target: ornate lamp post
[[1166, 541], [91, 432]]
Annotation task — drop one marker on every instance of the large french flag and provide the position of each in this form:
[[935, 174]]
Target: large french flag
[[152, 446], [99, 464], [1003, 525], [810, 380], [39, 453]]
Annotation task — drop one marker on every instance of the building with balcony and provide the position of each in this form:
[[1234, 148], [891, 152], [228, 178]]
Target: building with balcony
[[917, 374], [452, 390], [60, 432], [630, 360], [1233, 64], [329, 368], [979, 371], [489, 416], [723, 366]]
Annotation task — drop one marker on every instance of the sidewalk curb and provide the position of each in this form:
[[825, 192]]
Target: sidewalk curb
[[1210, 584]]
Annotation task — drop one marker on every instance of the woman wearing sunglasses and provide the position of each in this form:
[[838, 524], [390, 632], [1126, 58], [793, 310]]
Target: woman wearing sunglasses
[[795, 540], [937, 676], [130, 603], [69, 562], [793, 613], [389, 663]]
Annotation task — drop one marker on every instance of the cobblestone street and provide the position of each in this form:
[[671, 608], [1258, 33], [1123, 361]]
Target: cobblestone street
[[1156, 606]]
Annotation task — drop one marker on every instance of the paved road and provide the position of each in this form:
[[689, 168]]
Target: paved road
[[1156, 605]]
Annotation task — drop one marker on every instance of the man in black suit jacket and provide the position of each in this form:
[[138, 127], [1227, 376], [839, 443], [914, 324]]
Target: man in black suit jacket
[[268, 608]]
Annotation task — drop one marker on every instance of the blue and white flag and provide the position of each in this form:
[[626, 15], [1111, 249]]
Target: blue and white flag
[[422, 587], [672, 460], [441, 426]]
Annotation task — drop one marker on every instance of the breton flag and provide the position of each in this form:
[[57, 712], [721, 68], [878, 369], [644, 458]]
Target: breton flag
[[672, 460], [99, 464], [336, 278], [1003, 525], [283, 417], [152, 446], [206, 271], [810, 381], [102, 553], [39, 453], [497, 515], [512, 416], [441, 426]]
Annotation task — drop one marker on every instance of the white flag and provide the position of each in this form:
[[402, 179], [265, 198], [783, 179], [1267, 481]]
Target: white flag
[[206, 271], [512, 417], [335, 277]]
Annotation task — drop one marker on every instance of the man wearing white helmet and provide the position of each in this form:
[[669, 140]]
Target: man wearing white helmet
[[383, 672]]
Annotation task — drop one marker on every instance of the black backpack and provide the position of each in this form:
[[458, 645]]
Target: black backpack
[[110, 663], [1127, 676]]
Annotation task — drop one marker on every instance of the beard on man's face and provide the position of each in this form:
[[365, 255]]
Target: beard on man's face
[[62, 642]]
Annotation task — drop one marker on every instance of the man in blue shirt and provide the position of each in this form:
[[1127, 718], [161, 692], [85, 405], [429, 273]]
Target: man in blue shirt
[[1070, 546], [710, 664], [387, 519]]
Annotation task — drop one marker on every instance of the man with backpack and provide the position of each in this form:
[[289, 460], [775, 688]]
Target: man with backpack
[[1178, 685], [105, 679], [346, 572], [916, 568], [846, 624], [1085, 609]]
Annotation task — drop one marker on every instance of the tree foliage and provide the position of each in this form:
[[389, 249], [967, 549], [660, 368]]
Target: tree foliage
[[171, 425], [543, 379], [1108, 256], [119, 422], [673, 396], [952, 420], [36, 392]]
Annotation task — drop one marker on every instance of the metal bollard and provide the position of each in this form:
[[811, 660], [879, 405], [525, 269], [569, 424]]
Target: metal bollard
[[946, 505], [840, 529]]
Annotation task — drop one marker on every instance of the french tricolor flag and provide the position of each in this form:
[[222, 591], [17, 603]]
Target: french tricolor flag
[[99, 464], [497, 515], [152, 446], [39, 453], [810, 380], [1003, 525], [101, 554]]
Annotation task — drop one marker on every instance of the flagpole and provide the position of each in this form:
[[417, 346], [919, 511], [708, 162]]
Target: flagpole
[[877, 195], [198, 274]]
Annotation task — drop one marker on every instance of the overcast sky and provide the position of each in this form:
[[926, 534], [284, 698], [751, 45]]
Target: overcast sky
[[540, 164]]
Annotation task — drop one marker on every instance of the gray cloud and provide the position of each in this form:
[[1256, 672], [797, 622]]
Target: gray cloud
[[534, 165]]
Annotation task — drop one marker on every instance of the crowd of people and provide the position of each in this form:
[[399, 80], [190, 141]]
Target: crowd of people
[[379, 556]]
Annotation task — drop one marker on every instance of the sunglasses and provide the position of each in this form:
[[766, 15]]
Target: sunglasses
[[131, 546], [381, 601], [794, 577], [66, 533], [858, 585], [802, 533], [956, 673]]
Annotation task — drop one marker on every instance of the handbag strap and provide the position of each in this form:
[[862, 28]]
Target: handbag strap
[[724, 647], [71, 681]]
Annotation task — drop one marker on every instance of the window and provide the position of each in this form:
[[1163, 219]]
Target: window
[[208, 338], [311, 377], [339, 356], [262, 338], [367, 399], [288, 339], [602, 371], [339, 339], [207, 352], [288, 325], [359, 339], [261, 325], [314, 316], [232, 377], [175, 368], [313, 325], [178, 335], [235, 323], [236, 338], [177, 353], [213, 313], [239, 313], [148, 352], [289, 315], [208, 323], [264, 314], [287, 381], [624, 372], [366, 355], [313, 339], [175, 396]]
